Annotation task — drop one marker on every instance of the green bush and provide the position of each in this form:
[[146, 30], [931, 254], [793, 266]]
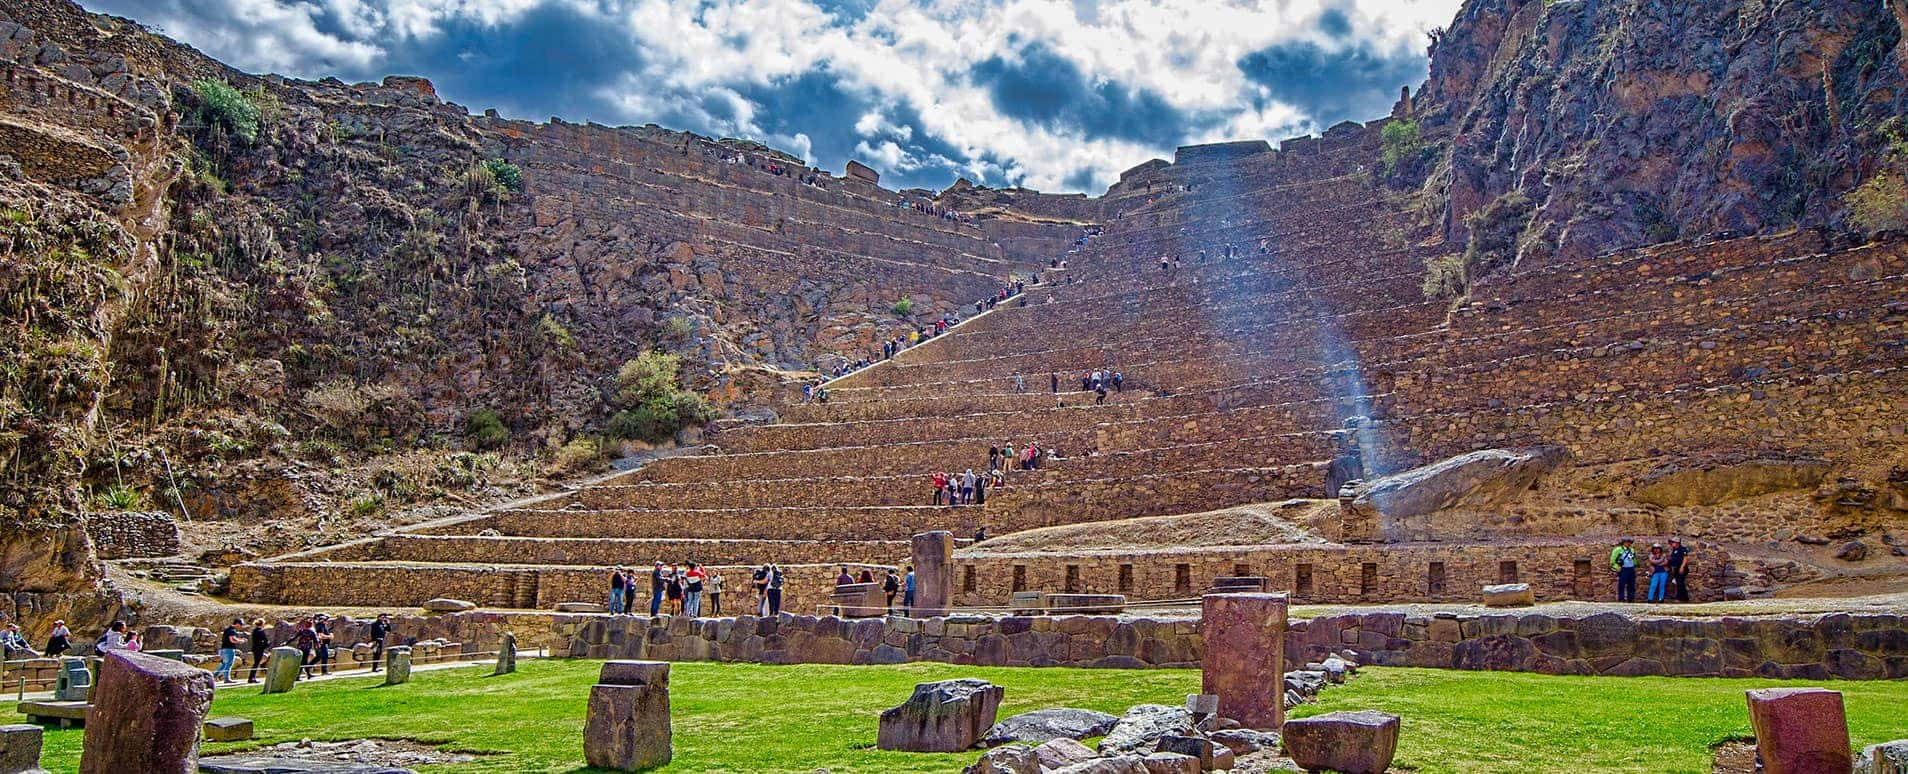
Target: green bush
[[1881, 202], [653, 401], [1494, 233], [485, 429], [904, 307], [1402, 145], [508, 175], [119, 497], [221, 105]]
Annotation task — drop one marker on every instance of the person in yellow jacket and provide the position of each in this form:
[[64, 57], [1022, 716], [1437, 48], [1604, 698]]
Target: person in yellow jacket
[[1623, 563]]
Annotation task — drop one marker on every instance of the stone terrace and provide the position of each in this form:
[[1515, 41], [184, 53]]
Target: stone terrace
[[1246, 379]]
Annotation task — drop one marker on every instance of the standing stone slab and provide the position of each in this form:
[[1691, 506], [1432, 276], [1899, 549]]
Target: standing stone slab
[[628, 724], [1359, 742], [945, 716], [20, 749], [281, 670], [1800, 730], [75, 681], [506, 654], [397, 665], [933, 557], [146, 715], [1243, 662]]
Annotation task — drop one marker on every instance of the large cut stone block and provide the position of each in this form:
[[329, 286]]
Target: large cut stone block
[[1083, 604], [228, 729], [75, 681], [1800, 730], [506, 654], [860, 600], [627, 728], [146, 715], [946, 716], [933, 555], [20, 749], [397, 665], [281, 669], [1359, 742], [1244, 656], [1509, 595]]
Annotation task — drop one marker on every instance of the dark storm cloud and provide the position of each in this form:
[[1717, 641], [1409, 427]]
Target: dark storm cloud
[[1329, 85], [1039, 86]]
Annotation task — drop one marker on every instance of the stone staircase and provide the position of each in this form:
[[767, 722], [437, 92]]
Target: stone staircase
[[1248, 379]]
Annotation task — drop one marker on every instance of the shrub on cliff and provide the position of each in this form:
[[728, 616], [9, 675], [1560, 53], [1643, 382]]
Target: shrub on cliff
[[1401, 147], [904, 307], [1494, 233], [653, 402], [484, 428], [1880, 204], [227, 108], [508, 175]]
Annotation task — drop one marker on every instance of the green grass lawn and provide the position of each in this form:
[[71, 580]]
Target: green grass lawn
[[748, 718]]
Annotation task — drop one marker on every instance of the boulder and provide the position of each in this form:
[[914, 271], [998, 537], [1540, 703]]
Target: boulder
[[20, 749], [1709, 482], [1170, 763], [228, 729], [145, 716], [1852, 551], [1139, 730], [1400, 507], [1118, 764], [1884, 758], [1359, 742], [1061, 753], [1799, 730], [1245, 741], [397, 665], [281, 669], [252, 763], [1046, 724], [628, 727], [1509, 595], [945, 716], [1210, 756], [1008, 759], [446, 605]]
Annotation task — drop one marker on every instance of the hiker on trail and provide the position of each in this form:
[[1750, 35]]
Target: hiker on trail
[[305, 640], [1679, 570], [775, 580], [844, 578], [380, 631], [980, 489], [980, 534], [692, 590], [967, 487], [674, 589], [1099, 394], [993, 458], [1623, 563], [940, 486], [1118, 381], [1007, 458], [759, 581], [261, 644], [321, 626], [658, 581], [1055, 379], [715, 594], [618, 584], [891, 585], [1659, 572], [60, 641], [865, 577], [1020, 383], [230, 640], [907, 593]]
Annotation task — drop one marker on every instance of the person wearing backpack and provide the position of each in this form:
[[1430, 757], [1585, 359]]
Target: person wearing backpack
[[1623, 563], [305, 639], [775, 580]]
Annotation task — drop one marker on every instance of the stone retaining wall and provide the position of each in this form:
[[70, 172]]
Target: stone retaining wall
[[132, 534]]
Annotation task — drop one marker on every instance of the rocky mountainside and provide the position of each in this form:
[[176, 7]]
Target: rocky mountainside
[[290, 310], [1598, 125]]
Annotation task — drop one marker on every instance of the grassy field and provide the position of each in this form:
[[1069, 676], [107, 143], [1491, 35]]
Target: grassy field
[[749, 718]]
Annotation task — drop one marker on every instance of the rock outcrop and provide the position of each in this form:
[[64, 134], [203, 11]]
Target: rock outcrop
[[1407, 506]]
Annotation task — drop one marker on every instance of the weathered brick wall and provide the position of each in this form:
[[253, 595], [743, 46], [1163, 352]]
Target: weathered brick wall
[[132, 534], [608, 552], [1325, 573]]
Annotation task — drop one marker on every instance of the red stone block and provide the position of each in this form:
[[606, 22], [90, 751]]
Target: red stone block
[[1800, 730], [1244, 656], [145, 716]]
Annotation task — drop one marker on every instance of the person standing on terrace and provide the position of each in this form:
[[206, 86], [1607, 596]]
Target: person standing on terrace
[[715, 594], [617, 584], [1623, 563], [692, 590], [891, 585]]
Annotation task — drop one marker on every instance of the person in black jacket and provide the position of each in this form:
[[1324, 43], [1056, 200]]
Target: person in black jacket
[[261, 643], [380, 629]]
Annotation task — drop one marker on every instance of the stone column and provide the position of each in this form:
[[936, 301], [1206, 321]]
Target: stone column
[[933, 558], [1244, 657], [397, 665], [506, 654], [628, 723], [281, 670], [145, 716]]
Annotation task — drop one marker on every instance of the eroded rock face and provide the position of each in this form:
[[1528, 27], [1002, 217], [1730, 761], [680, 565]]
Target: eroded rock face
[[1047, 724], [1407, 506], [1143, 725], [945, 716], [1699, 483]]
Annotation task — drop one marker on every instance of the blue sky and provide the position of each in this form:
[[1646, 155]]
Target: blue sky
[[1059, 95]]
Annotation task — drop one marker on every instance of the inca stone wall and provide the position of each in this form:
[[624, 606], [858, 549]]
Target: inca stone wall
[[132, 534]]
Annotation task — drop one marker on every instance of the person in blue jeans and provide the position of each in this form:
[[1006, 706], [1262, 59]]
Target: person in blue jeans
[[1659, 573], [616, 591], [1623, 563], [907, 593], [658, 580], [230, 641]]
